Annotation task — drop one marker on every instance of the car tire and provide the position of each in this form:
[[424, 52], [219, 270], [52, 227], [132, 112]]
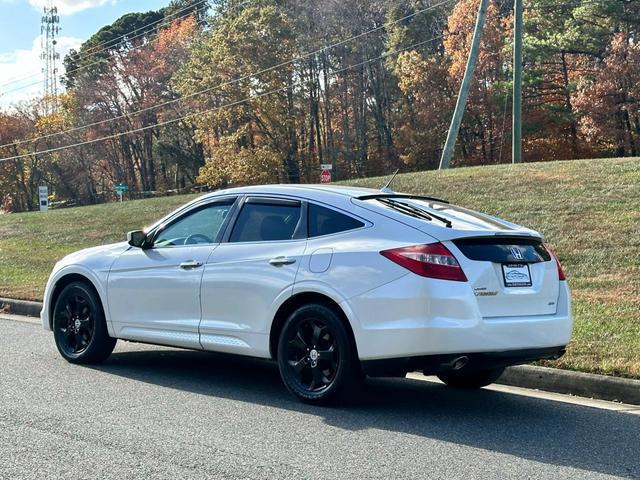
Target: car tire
[[79, 326], [317, 359], [471, 379]]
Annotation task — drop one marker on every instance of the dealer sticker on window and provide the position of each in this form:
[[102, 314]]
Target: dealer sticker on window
[[516, 275]]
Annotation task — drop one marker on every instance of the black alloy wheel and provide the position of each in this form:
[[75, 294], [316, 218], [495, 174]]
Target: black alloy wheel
[[79, 326], [312, 355], [315, 354], [76, 324]]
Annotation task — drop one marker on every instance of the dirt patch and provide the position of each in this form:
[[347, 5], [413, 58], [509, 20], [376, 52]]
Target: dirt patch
[[549, 176], [611, 296]]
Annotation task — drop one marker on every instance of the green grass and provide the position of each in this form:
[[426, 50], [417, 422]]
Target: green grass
[[589, 210], [31, 243]]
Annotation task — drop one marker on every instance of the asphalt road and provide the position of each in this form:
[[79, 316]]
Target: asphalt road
[[152, 412]]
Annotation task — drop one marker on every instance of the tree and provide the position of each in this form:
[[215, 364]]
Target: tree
[[610, 102], [255, 112], [15, 175], [481, 138], [428, 103], [267, 90], [563, 44], [122, 95]]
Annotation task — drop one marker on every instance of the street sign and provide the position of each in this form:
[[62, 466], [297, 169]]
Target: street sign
[[325, 176], [43, 197], [326, 166], [121, 188]]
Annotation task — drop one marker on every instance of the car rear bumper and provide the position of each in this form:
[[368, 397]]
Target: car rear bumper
[[400, 320], [434, 364]]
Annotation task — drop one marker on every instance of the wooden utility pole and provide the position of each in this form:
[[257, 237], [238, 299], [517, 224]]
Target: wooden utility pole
[[517, 83], [452, 136]]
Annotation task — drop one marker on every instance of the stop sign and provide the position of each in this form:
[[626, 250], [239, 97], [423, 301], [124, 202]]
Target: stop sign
[[325, 176]]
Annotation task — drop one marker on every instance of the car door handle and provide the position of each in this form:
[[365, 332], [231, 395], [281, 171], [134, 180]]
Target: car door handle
[[190, 265], [280, 261]]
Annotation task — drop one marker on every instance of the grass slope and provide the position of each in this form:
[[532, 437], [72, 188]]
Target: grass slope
[[589, 210]]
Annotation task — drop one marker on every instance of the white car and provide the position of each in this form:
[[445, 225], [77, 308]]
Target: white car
[[331, 282]]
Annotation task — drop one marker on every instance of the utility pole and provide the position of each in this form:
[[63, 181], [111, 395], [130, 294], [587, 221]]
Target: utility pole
[[517, 82], [49, 30], [461, 104]]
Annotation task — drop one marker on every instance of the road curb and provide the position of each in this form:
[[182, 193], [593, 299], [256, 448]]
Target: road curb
[[20, 307], [601, 387]]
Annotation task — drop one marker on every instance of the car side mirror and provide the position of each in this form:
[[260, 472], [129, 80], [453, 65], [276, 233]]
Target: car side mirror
[[137, 238]]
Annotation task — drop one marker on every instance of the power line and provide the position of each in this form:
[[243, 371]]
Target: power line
[[96, 62], [231, 82], [129, 39], [110, 43], [214, 109], [576, 3], [144, 27], [113, 41]]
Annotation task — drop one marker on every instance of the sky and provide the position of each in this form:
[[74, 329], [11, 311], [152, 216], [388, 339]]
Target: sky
[[20, 37]]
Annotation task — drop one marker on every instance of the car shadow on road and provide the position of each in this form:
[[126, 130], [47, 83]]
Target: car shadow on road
[[541, 430]]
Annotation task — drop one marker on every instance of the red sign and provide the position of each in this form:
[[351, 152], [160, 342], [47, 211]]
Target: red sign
[[325, 176]]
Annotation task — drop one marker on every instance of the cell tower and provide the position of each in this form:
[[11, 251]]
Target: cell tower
[[49, 29]]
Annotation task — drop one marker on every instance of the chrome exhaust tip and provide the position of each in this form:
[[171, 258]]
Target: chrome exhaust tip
[[459, 363]]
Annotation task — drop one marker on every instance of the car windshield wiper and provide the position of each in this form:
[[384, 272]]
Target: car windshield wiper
[[406, 209], [417, 211], [444, 220]]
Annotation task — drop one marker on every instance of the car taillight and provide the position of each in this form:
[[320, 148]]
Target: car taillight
[[552, 252], [433, 260]]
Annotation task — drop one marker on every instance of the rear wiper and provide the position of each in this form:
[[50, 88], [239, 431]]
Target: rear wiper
[[444, 220], [416, 210], [402, 207], [378, 196]]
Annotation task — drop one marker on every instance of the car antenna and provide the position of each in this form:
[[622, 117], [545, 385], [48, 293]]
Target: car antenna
[[386, 188]]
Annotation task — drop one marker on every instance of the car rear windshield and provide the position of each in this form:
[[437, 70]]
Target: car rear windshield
[[502, 250], [433, 209]]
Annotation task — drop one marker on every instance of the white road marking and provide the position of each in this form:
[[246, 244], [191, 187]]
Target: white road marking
[[19, 318]]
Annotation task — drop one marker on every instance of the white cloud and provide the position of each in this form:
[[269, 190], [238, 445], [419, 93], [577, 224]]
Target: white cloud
[[23, 69], [69, 7]]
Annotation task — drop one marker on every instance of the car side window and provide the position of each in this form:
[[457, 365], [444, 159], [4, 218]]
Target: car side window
[[263, 222], [324, 221], [198, 227]]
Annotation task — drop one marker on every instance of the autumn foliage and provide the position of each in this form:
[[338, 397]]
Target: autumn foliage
[[258, 91]]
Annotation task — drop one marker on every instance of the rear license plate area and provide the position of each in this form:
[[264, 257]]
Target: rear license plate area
[[516, 275]]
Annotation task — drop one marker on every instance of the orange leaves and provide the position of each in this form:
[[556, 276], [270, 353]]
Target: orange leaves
[[457, 44], [425, 81], [610, 102], [176, 35]]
